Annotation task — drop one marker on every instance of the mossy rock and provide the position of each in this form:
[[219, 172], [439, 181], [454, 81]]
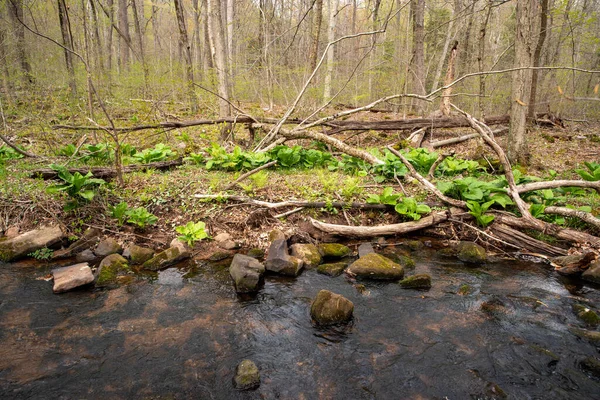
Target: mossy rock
[[406, 261], [413, 245], [330, 308], [247, 376], [376, 266], [588, 316], [592, 366], [309, 253], [447, 252], [332, 269], [592, 274], [109, 269], [592, 336], [419, 281], [276, 234], [257, 253], [334, 250], [219, 256], [471, 253], [138, 254], [465, 289], [165, 259]]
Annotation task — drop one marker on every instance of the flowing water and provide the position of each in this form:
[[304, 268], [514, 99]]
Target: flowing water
[[181, 333]]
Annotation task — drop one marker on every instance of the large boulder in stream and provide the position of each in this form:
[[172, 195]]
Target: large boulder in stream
[[308, 253], [247, 376], [279, 261], [376, 266], [246, 273], [471, 253], [109, 269], [21, 245], [177, 252], [329, 308], [67, 278]]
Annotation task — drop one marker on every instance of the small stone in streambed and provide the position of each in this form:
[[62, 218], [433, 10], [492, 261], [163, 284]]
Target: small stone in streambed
[[67, 278], [592, 336], [376, 266], [330, 308], [591, 365], [108, 246], [308, 253], [246, 273], [413, 245], [229, 245], [592, 274], [138, 254], [222, 237], [19, 246], [334, 250], [402, 259], [85, 256], [109, 269], [471, 253], [257, 253], [332, 269], [365, 248], [280, 262], [177, 252], [493, 306], [419, 281], [219, 256], [465, 289], [247, 376], [587, 315]]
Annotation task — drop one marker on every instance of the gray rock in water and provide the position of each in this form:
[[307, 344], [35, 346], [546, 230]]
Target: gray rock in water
[[138, 254], [308, 253], [376, 266], [19, 246], [85, 256], [592, 366], [364, 249], [279, 261], [177, 252], [419, 281], [247, 376], [332, 269], [67, 278], [592, 274], [108, 246], [330, 308], [246, 273], [471, 253]]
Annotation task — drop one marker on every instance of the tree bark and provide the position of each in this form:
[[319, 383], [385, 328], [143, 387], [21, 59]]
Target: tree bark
[[16, 13], [124, 37], [537, 56], [67, 37], [333, 4], [517, 149], [418, 52], [185, 45], [316, 34]]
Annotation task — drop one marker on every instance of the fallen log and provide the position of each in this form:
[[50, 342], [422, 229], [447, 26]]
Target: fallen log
[[523, 241], [415, 123], [106, 172]]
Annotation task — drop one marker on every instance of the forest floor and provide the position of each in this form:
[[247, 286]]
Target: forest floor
[[25, 202]]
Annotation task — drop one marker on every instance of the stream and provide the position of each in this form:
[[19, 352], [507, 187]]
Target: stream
[[179, 334]]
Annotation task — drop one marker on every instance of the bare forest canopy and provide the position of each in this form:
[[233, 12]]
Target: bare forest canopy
[[202, 53]]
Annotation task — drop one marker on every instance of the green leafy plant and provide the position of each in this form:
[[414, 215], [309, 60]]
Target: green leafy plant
[[478, 211], [410, 208], [422, 159], [592, 173], [8, 153], [192, 232], [471, 188], [351, 187], [391, 168], [43, 254], [196, 158], [160, 152], [141, 217], [453, 166], [100, 153], [387, 196], [75, 185], [537, 210], [120, 212], [288, 156], [67, 150]]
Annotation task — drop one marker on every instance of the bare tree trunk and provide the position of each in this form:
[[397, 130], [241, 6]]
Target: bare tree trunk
[[481, 58], [418, 54], [65, 29], [446, 93], [155, 28], [440, 66], [124, 37], [217, 42], [316, 33], [196, 42], [229, 19], [526, 21], [333, 5], [87, 48], [466, 43], [16, 13], [185, 45], [140, 43], [537, 56], [208, 63], [98, 53], [6, 87], [109, 38]]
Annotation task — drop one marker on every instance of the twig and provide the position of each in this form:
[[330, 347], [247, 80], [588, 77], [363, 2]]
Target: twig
[[437, 162], [249, 173], [285, 214]]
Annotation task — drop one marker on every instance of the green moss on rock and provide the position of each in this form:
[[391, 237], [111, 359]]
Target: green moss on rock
[[334, 250], [586, 315], [109, 269], [465, 289], [471, 253], [419, 281], [332, 269], [247, 376], [376, 266], [308, 253], [330, 308]]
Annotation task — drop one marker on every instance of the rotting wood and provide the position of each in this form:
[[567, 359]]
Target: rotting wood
[[104, 172], [463, 138], [523, 241], [568, 212]]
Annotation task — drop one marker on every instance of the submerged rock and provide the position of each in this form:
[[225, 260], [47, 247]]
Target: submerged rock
[[334, 250], [592, 274], [364, 249], [402, 259], [465, 289], [330, 308], [279, 261], [592, 366], [308, 253], [177, 252], [108, 246], [413, 245], [246, 273], [67, 278], [138, 254], [109, 269], [471, 253], [332, 269], [376, 266], [586, 315], [419, 281], [592, 336], [247, 376], [19, 246]]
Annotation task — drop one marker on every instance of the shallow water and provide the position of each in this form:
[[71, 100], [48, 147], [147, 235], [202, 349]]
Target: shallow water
[[181, 333]]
